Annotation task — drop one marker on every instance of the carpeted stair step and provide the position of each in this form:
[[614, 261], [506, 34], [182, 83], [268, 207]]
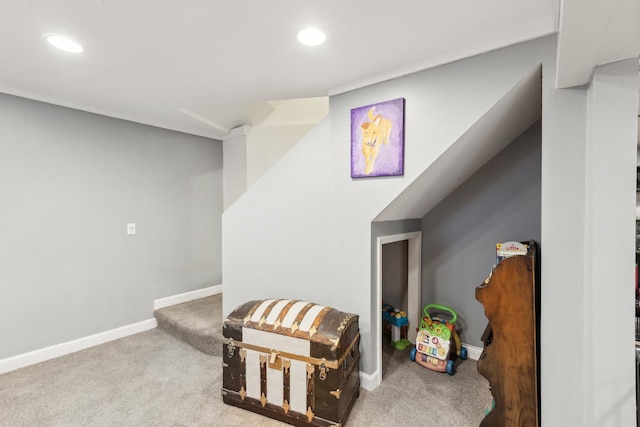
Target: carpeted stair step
[[197, 322]]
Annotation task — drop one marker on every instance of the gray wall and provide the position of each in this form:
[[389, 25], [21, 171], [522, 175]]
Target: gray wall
[[321, 218], [395, 258], [389, 228], [69, 183], [500, 202], [610, 164]]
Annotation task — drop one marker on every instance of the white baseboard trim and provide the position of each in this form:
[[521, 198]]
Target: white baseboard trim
[[20, 361], [473, 352], [369, 381], [186, 297]]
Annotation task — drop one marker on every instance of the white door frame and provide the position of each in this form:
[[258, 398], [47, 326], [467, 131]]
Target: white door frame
[[414, 297]]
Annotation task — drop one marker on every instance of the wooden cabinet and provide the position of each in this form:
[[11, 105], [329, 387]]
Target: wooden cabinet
[[510, 359]]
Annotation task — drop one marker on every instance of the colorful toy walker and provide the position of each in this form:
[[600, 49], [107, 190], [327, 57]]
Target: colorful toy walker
[[433, 344]]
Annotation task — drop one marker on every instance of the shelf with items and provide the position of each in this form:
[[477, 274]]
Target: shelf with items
[[397, 323]]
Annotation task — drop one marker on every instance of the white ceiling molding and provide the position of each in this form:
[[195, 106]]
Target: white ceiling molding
[[595, 32]]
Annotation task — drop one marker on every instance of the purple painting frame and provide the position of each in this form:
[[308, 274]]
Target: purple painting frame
[[377, 139]]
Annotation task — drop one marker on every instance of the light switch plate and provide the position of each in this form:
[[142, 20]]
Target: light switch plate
[[131, 229]]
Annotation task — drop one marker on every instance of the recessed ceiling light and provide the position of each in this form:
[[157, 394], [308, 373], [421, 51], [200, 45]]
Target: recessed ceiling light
[[62, 42], [311, 37]]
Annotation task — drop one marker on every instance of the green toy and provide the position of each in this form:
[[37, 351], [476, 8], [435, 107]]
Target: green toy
[[433, 344]]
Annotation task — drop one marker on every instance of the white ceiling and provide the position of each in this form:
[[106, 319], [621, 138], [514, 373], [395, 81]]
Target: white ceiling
[[206, 66]]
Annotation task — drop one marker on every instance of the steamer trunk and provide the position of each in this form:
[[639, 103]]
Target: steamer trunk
[[292, 360]]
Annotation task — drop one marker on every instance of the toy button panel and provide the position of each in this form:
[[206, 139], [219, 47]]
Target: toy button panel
[[432, 345]]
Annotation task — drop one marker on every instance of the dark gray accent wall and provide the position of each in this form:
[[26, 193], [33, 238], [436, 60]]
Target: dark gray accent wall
[[395, 259], [70, 182], [389, 228], [500, 202]]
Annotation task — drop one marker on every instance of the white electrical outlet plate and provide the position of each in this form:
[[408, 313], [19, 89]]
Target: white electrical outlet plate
[[131, 229]]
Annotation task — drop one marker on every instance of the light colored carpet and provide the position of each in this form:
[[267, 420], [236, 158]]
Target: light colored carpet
[[197, 322], [154, 379]]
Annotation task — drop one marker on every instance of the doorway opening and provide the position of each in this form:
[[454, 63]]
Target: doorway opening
[[413, 291]]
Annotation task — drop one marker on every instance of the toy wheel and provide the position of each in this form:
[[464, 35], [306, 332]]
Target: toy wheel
[[412, 355], [463, 353], [450, 367]]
